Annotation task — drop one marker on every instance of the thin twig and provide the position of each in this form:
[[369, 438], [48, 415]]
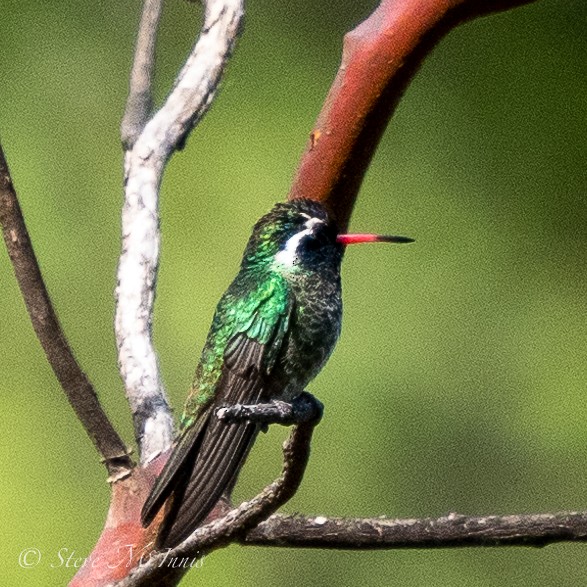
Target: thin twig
[[140, 99], [137, 271], [75, 383], [221, 532], [454, 530]]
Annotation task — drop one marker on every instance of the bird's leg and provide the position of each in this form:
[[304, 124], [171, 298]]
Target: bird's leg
[[304, 408]]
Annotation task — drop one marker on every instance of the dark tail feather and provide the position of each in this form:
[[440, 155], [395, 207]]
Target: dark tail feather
[[177, 469], [223, 452], [211, 459]]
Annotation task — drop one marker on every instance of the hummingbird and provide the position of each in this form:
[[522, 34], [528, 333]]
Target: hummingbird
[[273, 331]]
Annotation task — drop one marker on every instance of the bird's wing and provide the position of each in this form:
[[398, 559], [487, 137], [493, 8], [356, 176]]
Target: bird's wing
[[171, 475], [210, 453]]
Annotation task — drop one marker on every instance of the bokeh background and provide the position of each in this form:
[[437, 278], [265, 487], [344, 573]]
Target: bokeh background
[[459, 382]]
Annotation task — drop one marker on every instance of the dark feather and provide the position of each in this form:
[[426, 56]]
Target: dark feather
[[243, 354], [187, 446], [223, 448]]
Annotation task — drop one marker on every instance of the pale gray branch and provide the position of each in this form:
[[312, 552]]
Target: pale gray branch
[[140, 99], [145, 162]]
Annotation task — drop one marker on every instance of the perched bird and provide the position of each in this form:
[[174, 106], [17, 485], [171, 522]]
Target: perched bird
[[273, 330]]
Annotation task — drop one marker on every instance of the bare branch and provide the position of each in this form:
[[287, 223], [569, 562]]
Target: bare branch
[[232, 526], [75, 383], [140, 100], [450, 531], [137, 271], [380, 58]]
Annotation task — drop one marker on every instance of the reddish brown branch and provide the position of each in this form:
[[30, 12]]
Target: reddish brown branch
[[77, 387], [380, 57], [158, 568], [124, 544]]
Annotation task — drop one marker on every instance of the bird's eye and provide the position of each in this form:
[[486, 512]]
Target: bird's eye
[[318, 237], [312, 242]]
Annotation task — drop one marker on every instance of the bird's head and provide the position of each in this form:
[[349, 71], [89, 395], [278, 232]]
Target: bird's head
[[300, 235]]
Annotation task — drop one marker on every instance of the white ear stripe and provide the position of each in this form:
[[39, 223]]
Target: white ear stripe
[[288, 255]]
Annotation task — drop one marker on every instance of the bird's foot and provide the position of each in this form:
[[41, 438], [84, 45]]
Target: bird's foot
[[304, 408]]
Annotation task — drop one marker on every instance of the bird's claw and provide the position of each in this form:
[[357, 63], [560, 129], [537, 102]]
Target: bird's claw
[[304, 408]]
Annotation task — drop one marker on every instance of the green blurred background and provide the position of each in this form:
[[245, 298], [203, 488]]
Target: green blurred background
[[459, 381]]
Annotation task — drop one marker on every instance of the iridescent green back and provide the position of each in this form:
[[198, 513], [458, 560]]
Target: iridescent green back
[[253, 304]]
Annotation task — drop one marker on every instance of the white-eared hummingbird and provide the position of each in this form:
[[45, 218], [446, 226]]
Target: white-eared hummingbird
[[273, 330]]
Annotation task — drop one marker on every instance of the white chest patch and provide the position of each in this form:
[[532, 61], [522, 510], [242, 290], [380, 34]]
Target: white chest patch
[[288, 256]]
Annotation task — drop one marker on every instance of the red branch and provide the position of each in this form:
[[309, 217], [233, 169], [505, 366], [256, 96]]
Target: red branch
[[380, 57], [124, 543]]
